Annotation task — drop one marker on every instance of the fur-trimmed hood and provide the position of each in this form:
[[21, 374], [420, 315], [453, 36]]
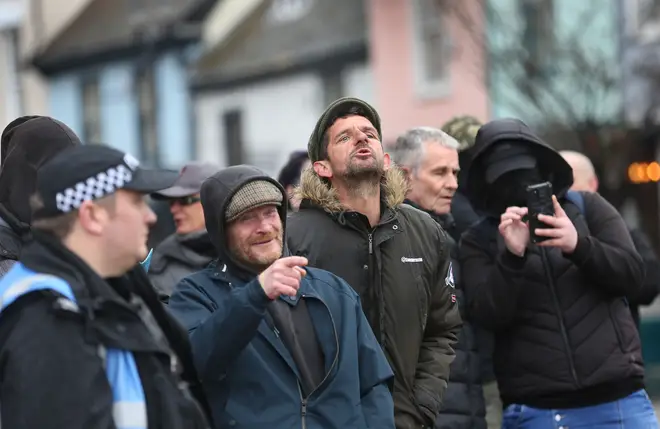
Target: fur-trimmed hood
[[393, 188]]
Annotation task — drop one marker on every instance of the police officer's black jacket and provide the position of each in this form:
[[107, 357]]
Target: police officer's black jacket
[[565, 337], [399, 269], [51, 375]]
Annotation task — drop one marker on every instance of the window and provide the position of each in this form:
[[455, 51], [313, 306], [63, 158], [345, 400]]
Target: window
[[538, 34], [283, 11], [232, 124], [91, 104], [431, 47], [146, 93]]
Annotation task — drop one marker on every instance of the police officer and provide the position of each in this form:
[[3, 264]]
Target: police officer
[[84, 342]]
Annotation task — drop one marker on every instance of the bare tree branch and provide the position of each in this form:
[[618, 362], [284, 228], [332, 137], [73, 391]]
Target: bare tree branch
[[570, 84]]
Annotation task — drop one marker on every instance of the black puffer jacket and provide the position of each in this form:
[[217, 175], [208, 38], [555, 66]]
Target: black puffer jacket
[[564, 334]]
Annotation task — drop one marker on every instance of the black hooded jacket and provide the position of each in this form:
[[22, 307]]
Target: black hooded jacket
[[27, 143], [564, 334]]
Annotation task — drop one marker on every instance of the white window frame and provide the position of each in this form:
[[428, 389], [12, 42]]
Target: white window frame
[[425, 88]]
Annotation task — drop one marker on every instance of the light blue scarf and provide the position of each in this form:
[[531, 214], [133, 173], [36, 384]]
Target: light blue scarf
[[129, 404], [147, 261]]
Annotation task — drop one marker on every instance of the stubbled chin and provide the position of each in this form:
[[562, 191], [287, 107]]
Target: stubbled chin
[[267, 253]]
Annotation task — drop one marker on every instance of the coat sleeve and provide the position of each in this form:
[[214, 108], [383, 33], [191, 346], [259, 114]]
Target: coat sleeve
[[607, 256], [492, 283], [219, 331], [651, 285], [51, 378], [375, 374], [440, 335]]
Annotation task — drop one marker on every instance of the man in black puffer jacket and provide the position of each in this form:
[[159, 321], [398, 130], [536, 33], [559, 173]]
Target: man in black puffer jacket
[[432, 180], [566, 348]]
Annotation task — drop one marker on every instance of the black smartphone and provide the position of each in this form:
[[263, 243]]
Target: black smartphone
[[539, 201]]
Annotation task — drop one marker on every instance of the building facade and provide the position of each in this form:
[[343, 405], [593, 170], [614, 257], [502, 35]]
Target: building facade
[[117, 74], [428, 66], [267, 71]]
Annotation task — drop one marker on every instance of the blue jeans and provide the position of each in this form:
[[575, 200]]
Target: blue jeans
[[632, 412]]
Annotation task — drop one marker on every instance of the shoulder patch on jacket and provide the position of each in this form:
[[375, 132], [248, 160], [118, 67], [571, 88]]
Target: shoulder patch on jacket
[[449, 279], [449, 282]]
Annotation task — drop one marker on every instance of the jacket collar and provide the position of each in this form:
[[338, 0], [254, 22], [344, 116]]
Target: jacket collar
[[21, 229], [446, 221], [314, 191], [10, 242], [194, 250], [46, 254]]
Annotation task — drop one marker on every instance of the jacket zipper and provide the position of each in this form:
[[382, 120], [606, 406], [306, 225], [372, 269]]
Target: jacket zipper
[[562, 326], [380, 335], [304, 400]]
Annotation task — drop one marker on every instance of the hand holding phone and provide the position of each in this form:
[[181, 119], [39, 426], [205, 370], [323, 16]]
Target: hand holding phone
[[514, 230], [560, 231], [539, 202]]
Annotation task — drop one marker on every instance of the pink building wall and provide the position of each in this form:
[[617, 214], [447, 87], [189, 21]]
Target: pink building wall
[[391, 50]]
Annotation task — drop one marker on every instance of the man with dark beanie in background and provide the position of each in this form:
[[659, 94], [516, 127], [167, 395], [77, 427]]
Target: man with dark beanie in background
[[353, 223], [289, 176], [27, 143]]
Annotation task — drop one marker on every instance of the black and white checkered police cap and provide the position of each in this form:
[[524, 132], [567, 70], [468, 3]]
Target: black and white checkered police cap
[[89, 172]]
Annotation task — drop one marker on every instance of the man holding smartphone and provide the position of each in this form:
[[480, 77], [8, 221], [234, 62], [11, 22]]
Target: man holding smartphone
[[555, 294]]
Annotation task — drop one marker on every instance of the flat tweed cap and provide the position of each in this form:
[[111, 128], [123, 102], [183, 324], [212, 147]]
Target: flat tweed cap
[[253, 194]]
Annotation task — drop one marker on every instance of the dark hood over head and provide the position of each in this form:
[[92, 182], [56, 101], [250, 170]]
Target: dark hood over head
[[551, 164], [216, 195], [27, 143]]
